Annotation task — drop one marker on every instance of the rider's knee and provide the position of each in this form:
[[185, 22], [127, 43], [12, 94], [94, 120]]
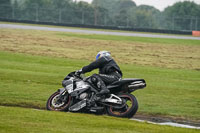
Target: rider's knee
[[94, 78]]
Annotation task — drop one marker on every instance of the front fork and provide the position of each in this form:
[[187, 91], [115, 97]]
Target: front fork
[[63, 95]]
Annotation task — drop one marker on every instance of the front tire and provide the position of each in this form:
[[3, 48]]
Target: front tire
[[128, 110], [55, 105]]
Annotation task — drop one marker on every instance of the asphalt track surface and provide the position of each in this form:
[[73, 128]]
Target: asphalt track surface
[[87, 31]]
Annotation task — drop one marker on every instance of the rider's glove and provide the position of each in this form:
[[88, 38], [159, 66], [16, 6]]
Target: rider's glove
[[78, 72]]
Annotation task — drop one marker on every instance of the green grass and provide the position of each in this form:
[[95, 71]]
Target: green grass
[[19, 120], [164, 53], [28, 81], [33, 64]]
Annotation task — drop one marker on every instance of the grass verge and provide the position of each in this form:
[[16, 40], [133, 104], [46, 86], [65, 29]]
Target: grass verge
[[18, 120], [170, 67], [164, 53], [28, 81]]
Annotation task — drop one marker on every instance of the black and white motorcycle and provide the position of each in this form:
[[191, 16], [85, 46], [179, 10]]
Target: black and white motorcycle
[[79, 95]]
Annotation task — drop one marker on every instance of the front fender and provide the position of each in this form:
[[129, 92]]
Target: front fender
[[61, 90]]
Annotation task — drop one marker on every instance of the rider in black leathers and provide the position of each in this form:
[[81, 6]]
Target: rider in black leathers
[[109, 71]]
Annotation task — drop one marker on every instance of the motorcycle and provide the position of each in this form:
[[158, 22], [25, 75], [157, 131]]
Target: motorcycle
[[80, 95]]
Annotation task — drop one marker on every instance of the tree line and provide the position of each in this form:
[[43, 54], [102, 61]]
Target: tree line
[[123, 13]]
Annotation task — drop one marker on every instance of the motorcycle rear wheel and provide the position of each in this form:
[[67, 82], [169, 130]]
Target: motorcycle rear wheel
[[54, 105], [128, 110]]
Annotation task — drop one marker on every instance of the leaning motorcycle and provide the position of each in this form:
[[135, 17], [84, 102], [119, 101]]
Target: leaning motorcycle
[[79, 95]]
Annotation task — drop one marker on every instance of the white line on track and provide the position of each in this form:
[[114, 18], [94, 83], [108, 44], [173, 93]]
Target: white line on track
[[168, 124]]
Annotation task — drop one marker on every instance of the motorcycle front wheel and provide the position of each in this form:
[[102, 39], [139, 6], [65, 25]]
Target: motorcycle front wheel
[[128, 110], [56, 104]]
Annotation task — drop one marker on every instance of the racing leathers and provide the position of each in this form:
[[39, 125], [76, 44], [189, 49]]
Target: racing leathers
[[109, 72]]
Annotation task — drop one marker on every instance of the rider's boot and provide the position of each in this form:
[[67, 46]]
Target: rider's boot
[[104, 90]]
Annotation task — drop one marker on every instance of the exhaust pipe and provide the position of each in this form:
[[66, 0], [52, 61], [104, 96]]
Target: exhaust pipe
[[136, 85]]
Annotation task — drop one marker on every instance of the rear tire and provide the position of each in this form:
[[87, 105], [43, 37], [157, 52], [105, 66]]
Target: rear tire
[[129, 110], [52, 103]]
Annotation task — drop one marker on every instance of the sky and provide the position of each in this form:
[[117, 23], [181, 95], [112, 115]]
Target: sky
[[159, 4]]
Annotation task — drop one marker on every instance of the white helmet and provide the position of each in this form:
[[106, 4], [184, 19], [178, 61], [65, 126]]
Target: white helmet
[[102, 53]]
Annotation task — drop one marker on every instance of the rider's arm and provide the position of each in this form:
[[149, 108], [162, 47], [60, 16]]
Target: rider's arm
[[96, 64]]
